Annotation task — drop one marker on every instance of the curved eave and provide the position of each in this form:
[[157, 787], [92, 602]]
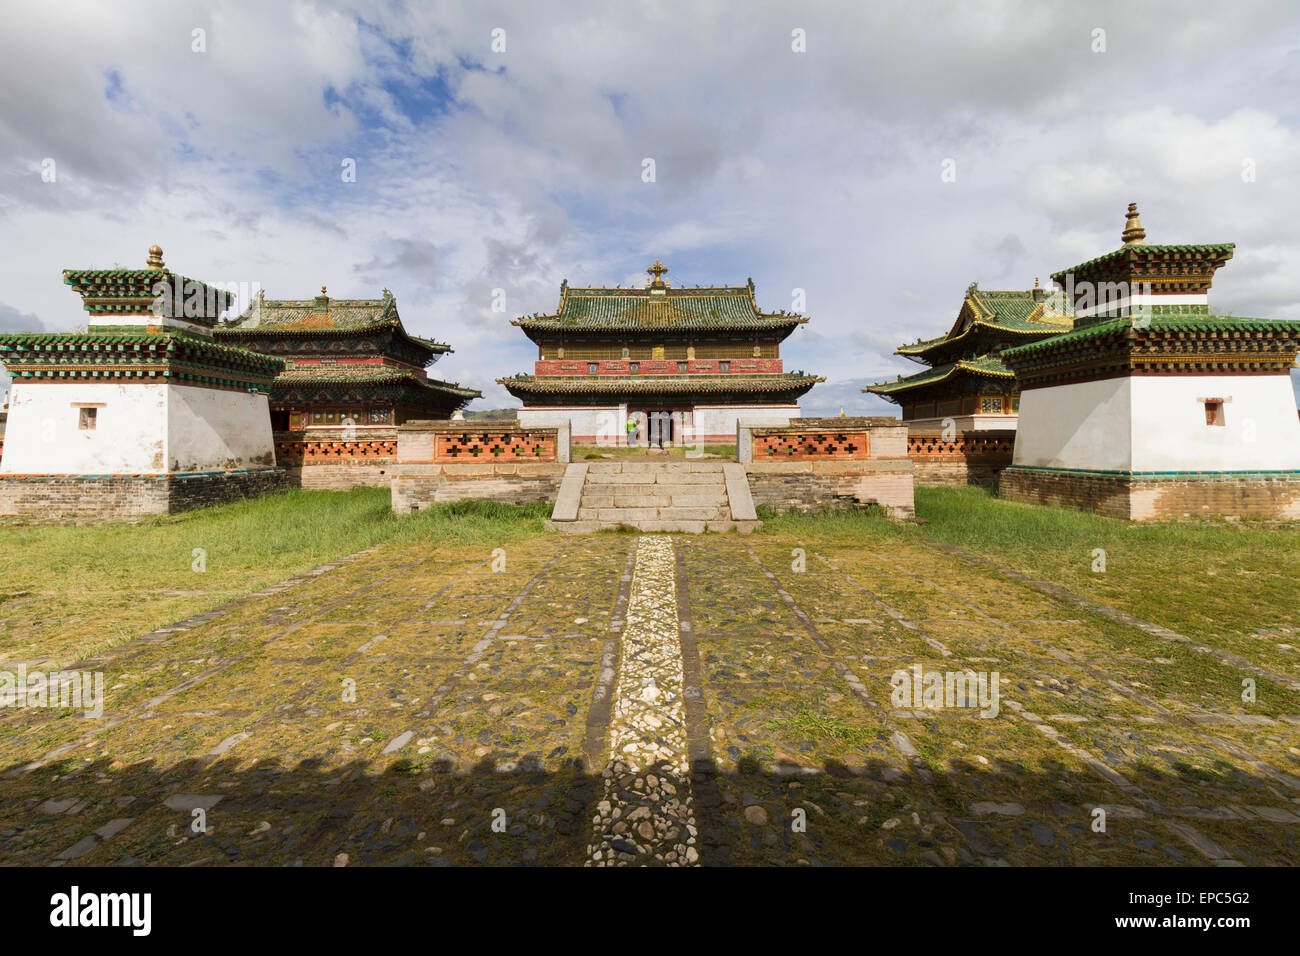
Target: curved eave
[[920, 381], [531, 385], [281, 332], [335, 379], [551, 326], [932, 345]]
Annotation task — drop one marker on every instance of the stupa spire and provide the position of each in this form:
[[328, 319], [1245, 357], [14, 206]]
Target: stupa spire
[[1133, 234]]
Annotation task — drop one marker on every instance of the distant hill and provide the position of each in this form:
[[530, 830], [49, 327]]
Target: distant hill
[[492, 413]]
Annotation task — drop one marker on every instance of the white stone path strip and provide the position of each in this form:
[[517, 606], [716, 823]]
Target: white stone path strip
[[647, 815]]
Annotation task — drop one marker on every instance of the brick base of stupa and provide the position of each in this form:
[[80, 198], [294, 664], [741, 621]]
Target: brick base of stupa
[[1155, 496], [129, 497]]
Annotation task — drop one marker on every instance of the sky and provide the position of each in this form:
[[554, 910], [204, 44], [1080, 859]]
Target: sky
[[878, 157]]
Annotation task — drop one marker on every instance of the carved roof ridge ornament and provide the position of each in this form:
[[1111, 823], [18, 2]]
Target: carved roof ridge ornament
[[155, 260], [1133, 234], [657, 271]]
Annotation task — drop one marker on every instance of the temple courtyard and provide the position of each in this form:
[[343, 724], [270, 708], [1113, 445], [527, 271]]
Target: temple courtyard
[[307, 679]]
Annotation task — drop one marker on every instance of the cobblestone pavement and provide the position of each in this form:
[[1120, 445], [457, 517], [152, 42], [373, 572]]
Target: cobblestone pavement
[[672, 700]]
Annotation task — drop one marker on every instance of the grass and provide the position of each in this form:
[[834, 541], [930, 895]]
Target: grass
[[1231, 585], [69, 590], [823, 727], [1203, 578]]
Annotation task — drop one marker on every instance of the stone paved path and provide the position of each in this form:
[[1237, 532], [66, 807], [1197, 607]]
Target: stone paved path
[[624, 700], [646, 815]]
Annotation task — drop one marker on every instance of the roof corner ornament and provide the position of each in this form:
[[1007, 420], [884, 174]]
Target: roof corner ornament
[[155, 260], [1133, 234], [657, 271]]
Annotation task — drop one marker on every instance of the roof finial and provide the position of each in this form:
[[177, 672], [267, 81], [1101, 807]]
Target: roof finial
[[1133, 234], [322, 290], [155, 260], [657, 270], [1036, 282]]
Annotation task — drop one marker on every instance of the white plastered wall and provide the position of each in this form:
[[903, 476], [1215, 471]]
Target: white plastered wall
[[1079, 425], [42, 436], [212, 429], [1157, 423], [139, 429], [1260, 431]]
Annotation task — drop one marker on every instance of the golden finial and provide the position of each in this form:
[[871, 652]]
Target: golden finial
[[155, 260], [1036, 282], [657, 270], [1133, 234], [322, 290]]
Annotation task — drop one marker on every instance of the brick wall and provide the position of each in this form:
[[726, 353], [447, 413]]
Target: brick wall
[[1255, 494], [418, 486], [449, 442], [500, 461], [121, 497], [742, 366], [337, 459], [968, 458], [813, 464]]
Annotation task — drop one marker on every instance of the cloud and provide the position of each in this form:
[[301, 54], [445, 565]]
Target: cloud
[[480, 171]]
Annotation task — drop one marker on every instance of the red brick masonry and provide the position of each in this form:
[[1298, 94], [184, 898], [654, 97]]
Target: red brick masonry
[[968, 458], [817, 463], [1155, 497]]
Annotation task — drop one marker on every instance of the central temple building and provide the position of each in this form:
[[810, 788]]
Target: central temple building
[[684, 363]]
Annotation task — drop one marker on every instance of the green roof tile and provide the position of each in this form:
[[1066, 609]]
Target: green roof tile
[[1190, 325], [618, 309], [985, 366]]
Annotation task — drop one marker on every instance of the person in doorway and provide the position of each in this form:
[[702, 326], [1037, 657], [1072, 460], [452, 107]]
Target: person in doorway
[[631, 431]]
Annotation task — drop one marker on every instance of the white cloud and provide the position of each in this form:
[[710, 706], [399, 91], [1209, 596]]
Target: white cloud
[[479, 171]]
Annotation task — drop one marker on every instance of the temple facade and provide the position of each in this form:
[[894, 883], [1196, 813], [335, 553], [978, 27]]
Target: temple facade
[[143, 413], [967, 384], [683, 364], [1152, 406], [347, 363]]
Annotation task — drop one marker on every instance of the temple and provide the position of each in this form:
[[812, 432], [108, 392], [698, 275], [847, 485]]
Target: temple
[[967, 383], [1152, 406], [347, 362], [685, 364], [143, 413]]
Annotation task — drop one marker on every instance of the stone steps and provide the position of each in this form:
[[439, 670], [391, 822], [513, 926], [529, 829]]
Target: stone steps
[[687, 496]]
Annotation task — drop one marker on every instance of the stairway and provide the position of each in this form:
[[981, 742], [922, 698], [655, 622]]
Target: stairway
[[690, 496]]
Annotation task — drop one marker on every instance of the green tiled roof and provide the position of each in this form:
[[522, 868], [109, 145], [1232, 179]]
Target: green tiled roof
[[781, 382], [1143, 250], [987, 366], [13, 345], [384, 376], [159, 357], [1005, 311], [322, 316], [1227, 325], [131, 291], [601, 309]]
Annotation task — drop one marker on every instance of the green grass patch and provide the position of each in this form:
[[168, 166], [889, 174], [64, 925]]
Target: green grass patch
[[69, 589], [819, 726]]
